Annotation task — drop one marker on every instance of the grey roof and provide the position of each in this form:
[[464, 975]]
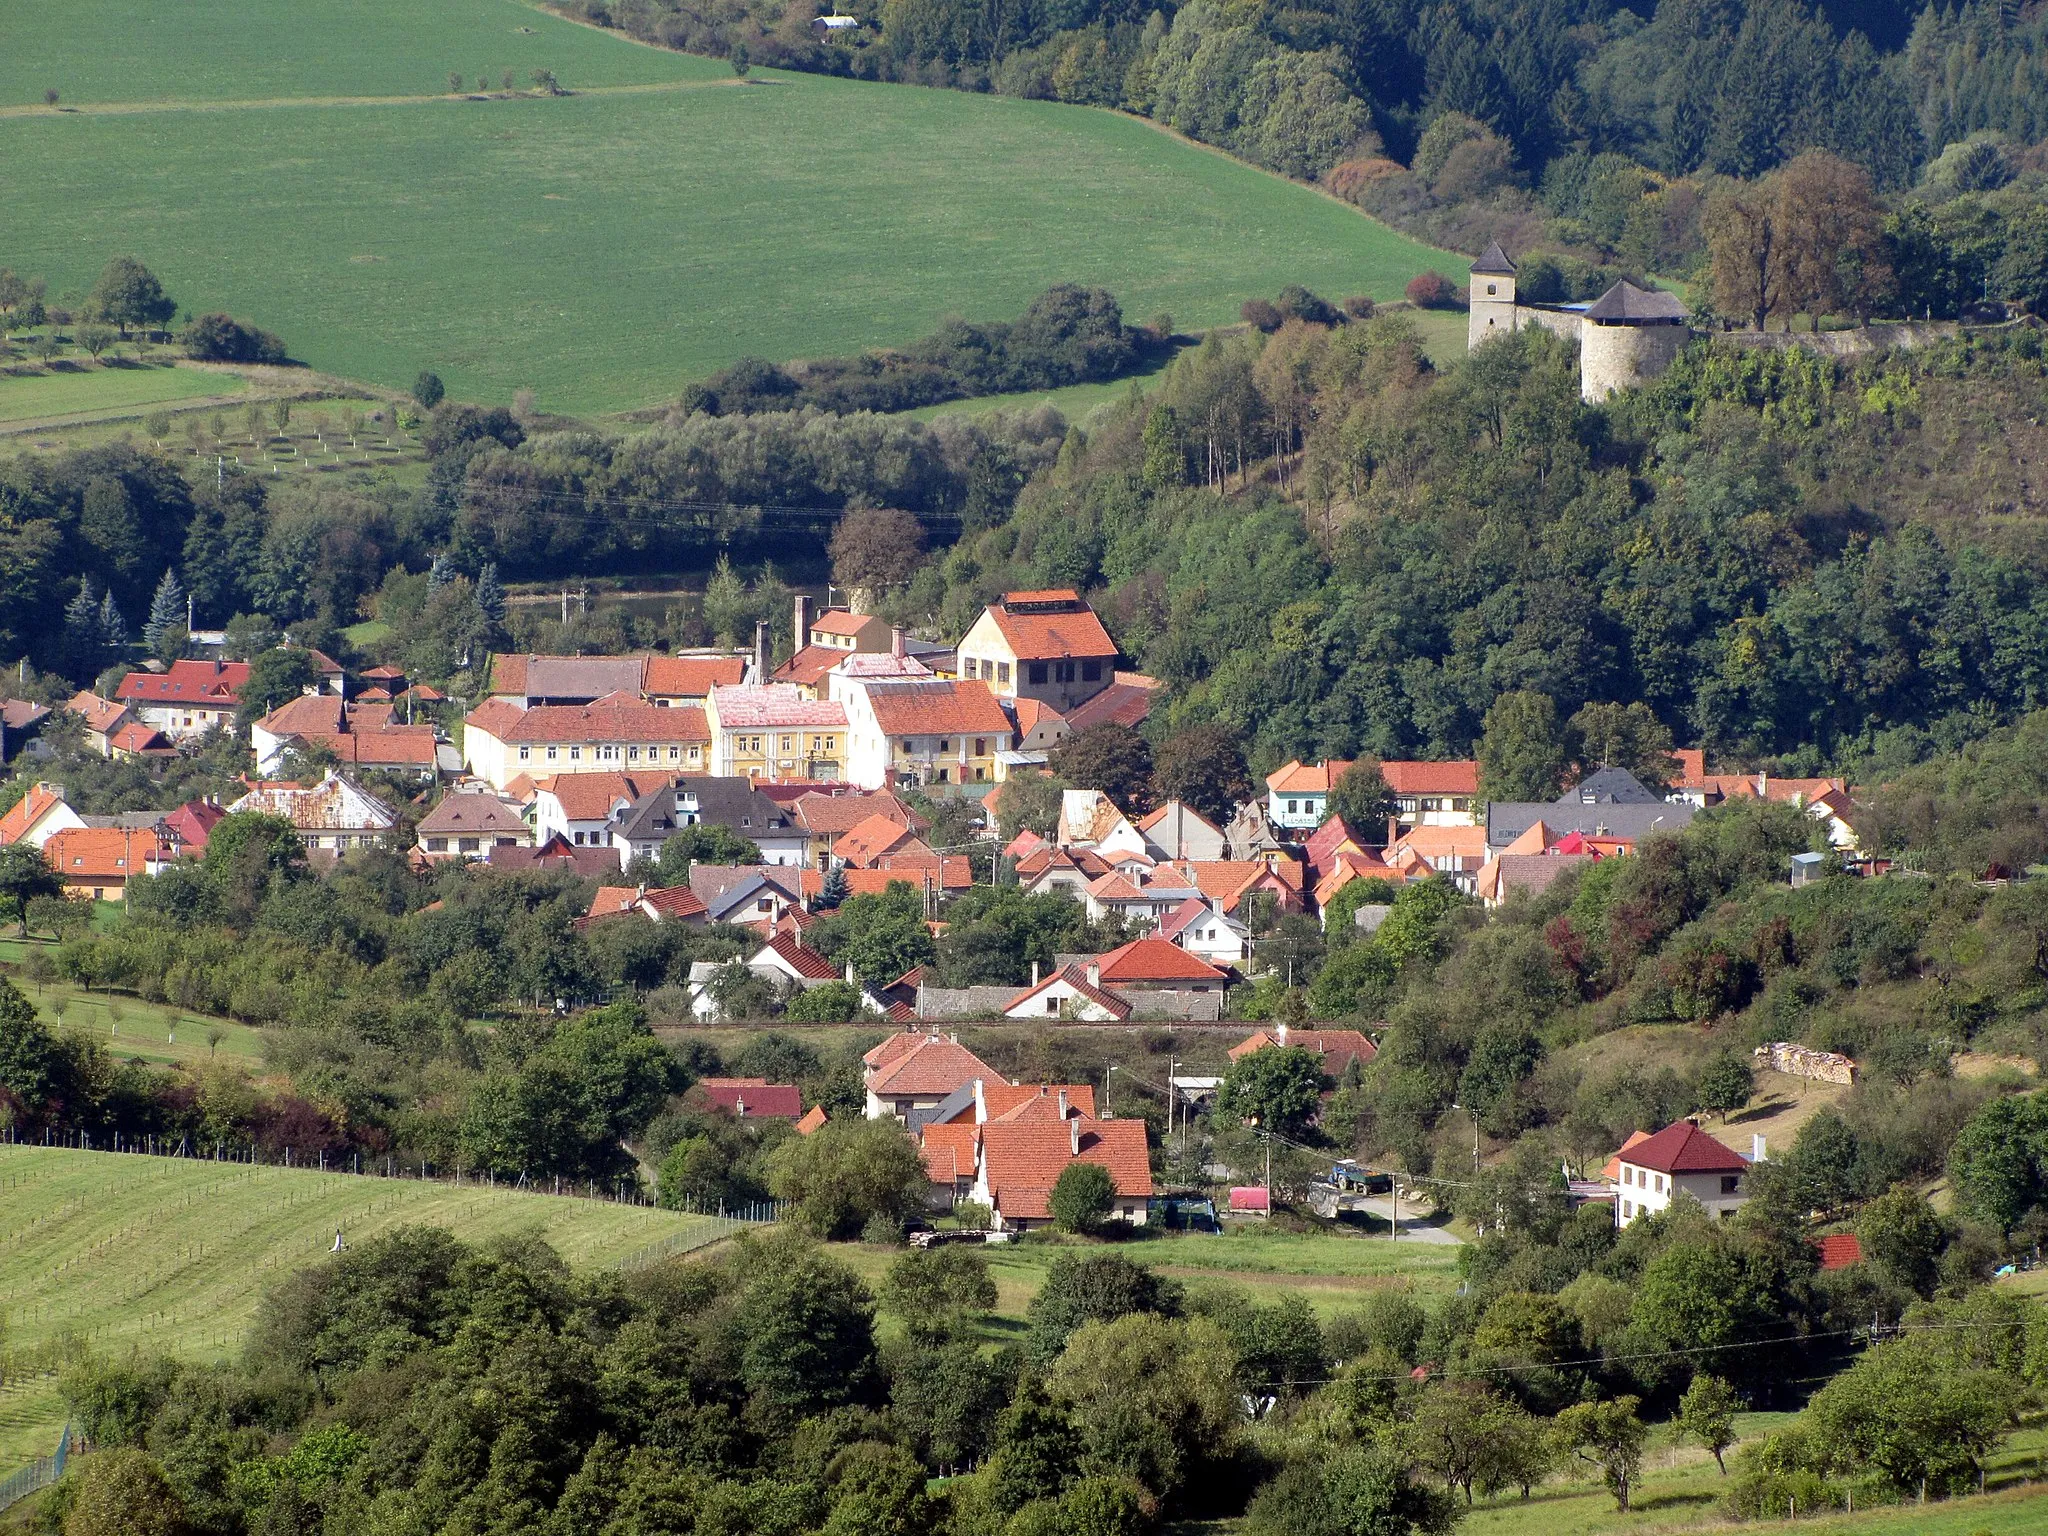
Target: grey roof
[[723, 887], [712, 799], [1609, 786], [1507, 820], [1494, 261], [581, 679], [1625, 303]]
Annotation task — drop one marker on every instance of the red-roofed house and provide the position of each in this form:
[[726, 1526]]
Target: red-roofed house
[[189, 826], [1047, 646], [1297, 792], [1838, 1250], [862, 845], [914, 1070], [615, 733], [188, 698], [1339, 1048], [1021, 1161], [99, 717], [1679, 1158], [787, 955], [1433, 794], [38, 816], [922, 731], [98, 862], [1069, 993], [814, 1120], [753, 1098], [1155, 964]]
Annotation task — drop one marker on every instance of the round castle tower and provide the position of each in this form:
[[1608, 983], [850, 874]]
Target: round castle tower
[[1626, 337]]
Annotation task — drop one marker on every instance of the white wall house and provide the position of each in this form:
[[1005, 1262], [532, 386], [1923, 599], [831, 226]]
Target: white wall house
[[1681, 1158]]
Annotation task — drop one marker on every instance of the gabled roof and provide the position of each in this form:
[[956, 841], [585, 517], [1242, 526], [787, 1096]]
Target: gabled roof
[[691, 677], [98, 714], [838, 621], [1123, 702], [1493, 262], [555, 853], [677, 901], [594, 796], [137, 737], [613, 901], [925, 1065], [334, 804], [931, 708], [1076, 978], [215, 684], [1298, 778], [1050, 625], [813, 1120], [1022, 1161], [866, 841], [31, 808], [1612, 1171], [753, 1098], [808, 665], [103, 853], [1338, 1047], [1225, 881], [771, 706], [802, 959], [1407, 777], [1683, 1147], [193, 822], [1038, 1101], [949, 1149], [827, 814], [1838, 1250], [1154, 959]]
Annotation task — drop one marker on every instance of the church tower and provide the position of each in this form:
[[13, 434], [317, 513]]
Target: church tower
[[1492, 306]]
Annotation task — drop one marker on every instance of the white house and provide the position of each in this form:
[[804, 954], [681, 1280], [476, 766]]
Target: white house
[[1648, 1175], [1200, 928], [336, 814]]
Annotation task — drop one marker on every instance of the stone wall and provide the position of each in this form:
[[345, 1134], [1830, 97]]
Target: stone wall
[[1856, 343], [1801, 1061], [1613, 357]]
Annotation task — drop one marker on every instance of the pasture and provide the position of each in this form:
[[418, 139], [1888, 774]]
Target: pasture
[[158, 1254], [606, 247], [94, 389]]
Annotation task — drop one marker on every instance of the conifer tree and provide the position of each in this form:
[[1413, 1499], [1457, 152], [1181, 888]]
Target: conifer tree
[[82, 635], [113, 628], [166, 609], [440, 573], [834, 890], [490, 592]]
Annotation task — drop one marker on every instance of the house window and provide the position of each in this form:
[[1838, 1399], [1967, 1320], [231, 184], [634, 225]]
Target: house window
[[1660, 1183], [1729, 1183], [437, 845], [789, 743], [1002, 671], [945, 745], [1063, 671], [674, 753], [1038, 671], [694, 754], [1293, 806], [1628, 1209], [1091, 671], [1491, 290], [525, 754], [942, 775], [831, 744], [981, 746], [551, 753], [633, 753], [575, 754], [1052, 1005]]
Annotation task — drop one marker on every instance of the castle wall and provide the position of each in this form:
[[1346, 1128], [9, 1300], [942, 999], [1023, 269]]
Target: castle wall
[[1613, 357], [1559, 322]]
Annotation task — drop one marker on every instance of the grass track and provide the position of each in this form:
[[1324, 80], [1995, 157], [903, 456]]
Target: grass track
[[170, 1256], [604, 248]]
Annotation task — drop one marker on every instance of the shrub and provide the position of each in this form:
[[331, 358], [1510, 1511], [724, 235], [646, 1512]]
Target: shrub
[[224, 339], [1082, 1197], [1261, 314], [1431, 290], [1359, 307]]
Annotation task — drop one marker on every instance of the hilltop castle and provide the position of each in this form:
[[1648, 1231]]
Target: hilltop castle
[[1626, 337]]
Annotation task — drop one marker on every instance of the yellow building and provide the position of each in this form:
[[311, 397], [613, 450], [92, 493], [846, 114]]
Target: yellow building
[[771, 731]]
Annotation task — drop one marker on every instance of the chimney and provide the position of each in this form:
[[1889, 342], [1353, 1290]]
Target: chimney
[[1094, 974], [1280, 1034], [1393, 830], [1763, 778], [852, 979], [1074, 1136], [800, 635], [761, 651], [1063, 1103], [896, 646], [1756, 1147], [641, 893], [980, 1103]]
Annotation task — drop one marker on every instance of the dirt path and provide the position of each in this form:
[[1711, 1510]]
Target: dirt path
[[267, 103]]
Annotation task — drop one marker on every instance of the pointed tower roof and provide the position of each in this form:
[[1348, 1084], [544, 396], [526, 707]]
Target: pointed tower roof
[[1625, 302], [1494, 261]]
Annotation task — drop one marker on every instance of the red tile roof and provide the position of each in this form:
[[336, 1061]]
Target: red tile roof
[[814, 1119], [949, 1150], [606, 720], [192, 823], [1047, 626], [98, 714], [937, 708], [691, 676], [137, 737], [771, 706], [801, 958], [103, 853], [216, 684], [1121, 703], [1297, 777], [1338, 1047], [924, 1065], [1022, 1161], [1839, 1250], [1415, 778], [27, 811], [837, 621], [1027, 1101], [1076, 977], [861, 844], [808, 665], [1683, 1147], [1154, 959], [591, 796], [754, 1098]]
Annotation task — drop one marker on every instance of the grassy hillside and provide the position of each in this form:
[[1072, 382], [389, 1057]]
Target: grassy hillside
[[603, 248], [135, 51], [150, 1253]]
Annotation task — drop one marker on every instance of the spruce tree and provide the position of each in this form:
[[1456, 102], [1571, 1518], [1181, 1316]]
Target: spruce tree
[[439, 574], [166, 610], [113, 628], [834, 890], [82, 638], [490, 593]]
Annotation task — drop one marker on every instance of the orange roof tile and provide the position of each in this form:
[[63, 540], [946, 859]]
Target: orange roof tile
[[1153, 959], [103, 853], [691, 676], [928, 1064], [1039, 1101], [1022, 1161], [921, 708], [591, 796], [1459, 777], [948, 1150], [864, 842], [26, 812], [814, 1119], [215, 684], [98, 714], [1297, 777], [1046, 626]]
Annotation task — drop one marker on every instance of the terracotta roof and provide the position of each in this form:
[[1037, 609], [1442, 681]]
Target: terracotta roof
[[951, 871], [949, 1150], [98, 714], [1153, 959], [20, 714], [591, 796], [383, 674], [866, 841], [193, 822], [477, 815], [605, 720], [828, 815], [1611, 1171], [802, 959], [837, 621], [1839, 1250], [1224, 881], [375, 696], [1683, 1147], [677, 901], [590, 863], [691, 676], [1121, 703], [1045, 626], [814, 1119], [137, 737], [325, 712], [1299, 778], [1028, 1101], [930, 1064], [1417, 778], [808, 665], [103, 853], [770, 706], [1032, 713], [216, 684], [1443, 842], [937, 708], [1022, 1161], [1338, 1047], [25, 812], [613, 901], [754, 1098]]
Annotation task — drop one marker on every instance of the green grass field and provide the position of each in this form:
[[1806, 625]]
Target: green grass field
[[606, 247], [132, 51], [169, 1256], [27, 396]]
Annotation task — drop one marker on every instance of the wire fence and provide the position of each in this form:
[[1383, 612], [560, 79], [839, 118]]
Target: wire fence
[[36, 1476]]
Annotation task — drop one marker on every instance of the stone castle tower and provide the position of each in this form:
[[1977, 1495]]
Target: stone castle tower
[[1626, 337]]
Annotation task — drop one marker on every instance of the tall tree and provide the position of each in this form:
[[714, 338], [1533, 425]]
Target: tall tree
[[1112, 758], [1626, 736], [1524, 749], [1203, 768], [875, 548], [166, 610], [128, 293]]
